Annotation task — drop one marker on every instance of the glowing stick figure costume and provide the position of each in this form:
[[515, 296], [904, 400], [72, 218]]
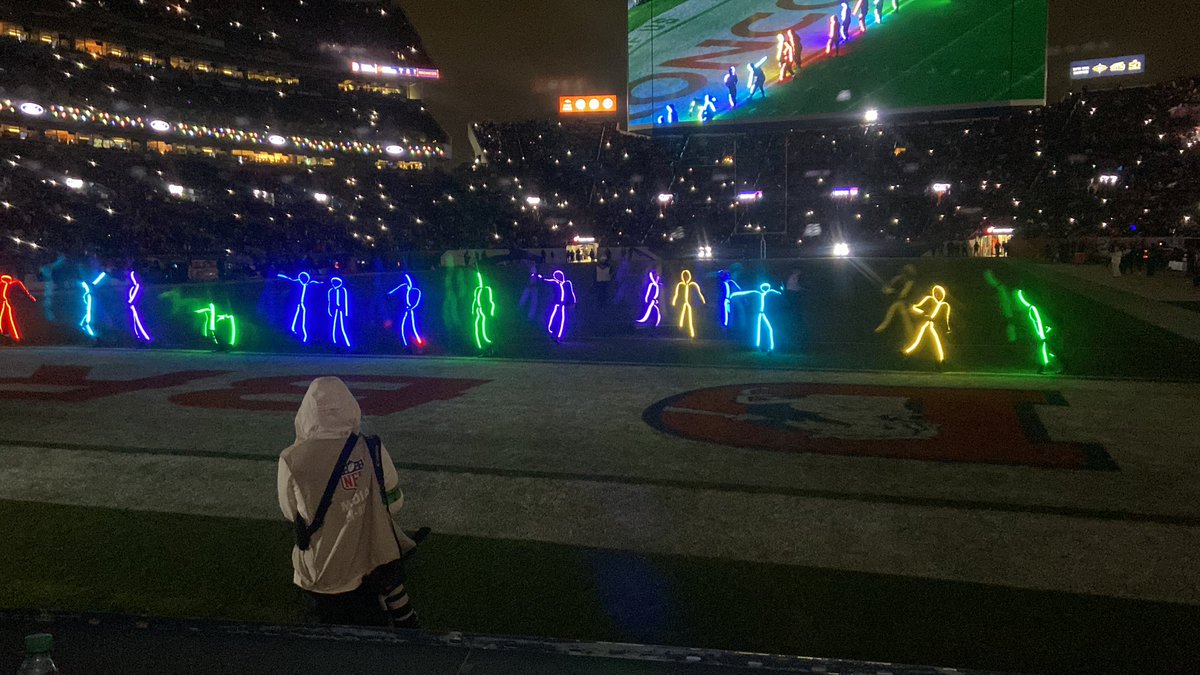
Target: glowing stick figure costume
[[481, 298], [338, 308], [653, 291], [860, 9], [212, 318], [705, 108], [901, 286], [685, 286], [728, 289], [135, 290], [566, 296], [86, 322], [408, 321], [785, 54], [936, 301], [1040, 330], [834, 45], [878, 11], [763, 291], [301, 315], [8, 322], [758, 79], [844, 16]]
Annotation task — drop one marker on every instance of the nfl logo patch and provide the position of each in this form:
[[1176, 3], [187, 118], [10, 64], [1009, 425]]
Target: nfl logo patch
[[351, 474]]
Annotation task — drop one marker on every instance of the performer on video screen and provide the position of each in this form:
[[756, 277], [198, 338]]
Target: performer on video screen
[[669, 116], [834, 45], [785, 55], [878, 11], [758, 79], [731, 83], [860, 9], [845, 16]]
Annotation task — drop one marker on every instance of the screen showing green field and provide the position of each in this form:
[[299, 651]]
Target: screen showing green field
[[695, 62]]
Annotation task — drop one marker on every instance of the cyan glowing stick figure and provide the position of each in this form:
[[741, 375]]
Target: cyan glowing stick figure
[[936, 301], [86, 322], [483, 305], [763, 291], [339, 309], [566, 296], [408, 321], [135, 290], [653, 291], [212, 318], [1040, 331], [685, 286], [728, 288], [301, 315], [8, 322]]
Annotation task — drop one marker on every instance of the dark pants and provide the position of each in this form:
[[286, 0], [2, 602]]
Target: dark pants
[[360, 607]]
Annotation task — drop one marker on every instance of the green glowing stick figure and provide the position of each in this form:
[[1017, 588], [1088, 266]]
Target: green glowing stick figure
[[209, 330], [1040, 331], [477, 310]]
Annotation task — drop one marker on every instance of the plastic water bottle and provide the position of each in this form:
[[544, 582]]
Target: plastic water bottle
[[37, 655]]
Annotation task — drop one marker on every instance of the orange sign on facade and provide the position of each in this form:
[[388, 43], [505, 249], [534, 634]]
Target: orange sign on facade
[[574, 105]]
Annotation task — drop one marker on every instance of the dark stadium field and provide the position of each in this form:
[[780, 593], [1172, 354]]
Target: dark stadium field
[[930, 53]]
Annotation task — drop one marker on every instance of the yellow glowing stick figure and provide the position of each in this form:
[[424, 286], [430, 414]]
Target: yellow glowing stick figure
[[937, 297], [685, 315]]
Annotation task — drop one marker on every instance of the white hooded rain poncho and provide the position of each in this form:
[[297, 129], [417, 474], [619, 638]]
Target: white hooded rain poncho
[[358, 534]]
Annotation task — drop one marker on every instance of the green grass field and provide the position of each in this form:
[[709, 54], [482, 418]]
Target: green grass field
[[931, 53], [90, 559]]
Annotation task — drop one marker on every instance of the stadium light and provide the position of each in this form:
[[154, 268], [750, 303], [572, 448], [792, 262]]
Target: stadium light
[[1109, 178], [841, 249], [751, 196], [160, 126], [321, 197], [276, 140], [175, 190], [665, 198], [74, 183], [31, 108], [533, 201], [394, 150], [844, 193], [940, 188], [871, 116]]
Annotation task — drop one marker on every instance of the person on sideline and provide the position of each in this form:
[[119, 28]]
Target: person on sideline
[[339, 488]]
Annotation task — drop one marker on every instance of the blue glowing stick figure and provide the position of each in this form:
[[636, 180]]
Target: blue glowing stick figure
[[86, 322], [412, 300], [653, 291], [135, 290], [762, 293], [301, 315], [728, 288], [559, 313], [339, 309]]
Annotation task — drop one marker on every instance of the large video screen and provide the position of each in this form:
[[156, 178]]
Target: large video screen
[[735, 61]]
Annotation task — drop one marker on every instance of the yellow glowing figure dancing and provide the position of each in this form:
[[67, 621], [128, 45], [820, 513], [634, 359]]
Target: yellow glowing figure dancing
[[685, 315], [936, 298]]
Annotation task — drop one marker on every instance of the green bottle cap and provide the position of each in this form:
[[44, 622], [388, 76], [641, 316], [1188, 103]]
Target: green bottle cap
[[38, 643]]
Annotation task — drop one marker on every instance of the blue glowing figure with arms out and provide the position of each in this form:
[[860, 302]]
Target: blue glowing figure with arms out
[[86, 322], [653, 291], [408, 321], [300, 317], [763, 291], [339, 309], [135, 290], [728, 288], [566, 296]]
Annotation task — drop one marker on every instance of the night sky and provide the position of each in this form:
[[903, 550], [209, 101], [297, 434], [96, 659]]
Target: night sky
[[510, 60]]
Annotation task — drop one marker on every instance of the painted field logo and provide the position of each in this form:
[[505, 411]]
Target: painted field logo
[[987, 426], [351, 474]]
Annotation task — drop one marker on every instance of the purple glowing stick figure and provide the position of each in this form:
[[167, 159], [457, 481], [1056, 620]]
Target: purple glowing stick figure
[[135, 290], [566, 296], [653, 290]]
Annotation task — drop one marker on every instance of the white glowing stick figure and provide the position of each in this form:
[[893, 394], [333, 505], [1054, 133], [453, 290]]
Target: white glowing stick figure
[[408, 321], [653, 291], [559, 313], [135, 290]]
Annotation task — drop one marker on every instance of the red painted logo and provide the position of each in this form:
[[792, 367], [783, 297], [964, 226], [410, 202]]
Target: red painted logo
[[72, 384], [376, 394], [987, 426]]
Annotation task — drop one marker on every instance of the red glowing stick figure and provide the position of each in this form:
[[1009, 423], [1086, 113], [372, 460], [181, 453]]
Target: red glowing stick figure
[[8, 322]]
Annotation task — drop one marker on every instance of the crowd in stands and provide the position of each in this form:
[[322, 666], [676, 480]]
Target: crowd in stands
[[1091, 167]]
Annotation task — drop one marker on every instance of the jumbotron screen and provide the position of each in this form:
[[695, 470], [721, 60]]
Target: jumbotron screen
[[735, 61]]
